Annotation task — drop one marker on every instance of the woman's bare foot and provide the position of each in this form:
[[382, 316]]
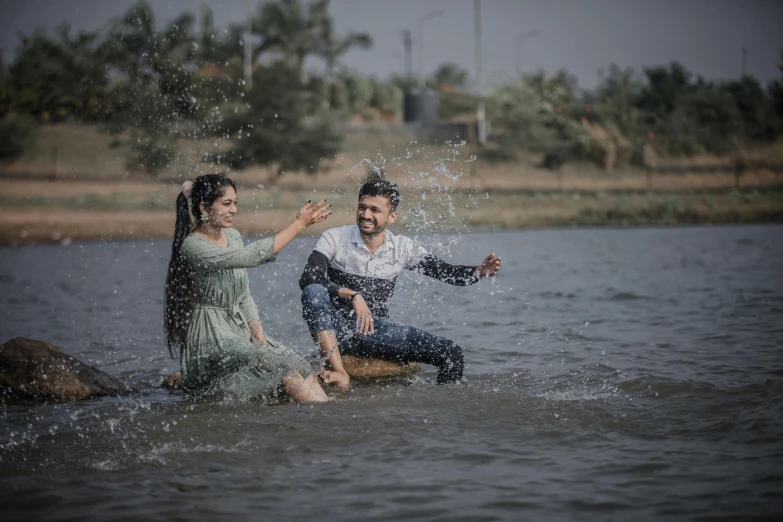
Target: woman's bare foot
[[305, 390], [341, 380]]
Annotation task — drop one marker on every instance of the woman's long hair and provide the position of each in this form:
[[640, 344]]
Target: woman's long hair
[[178, 301]]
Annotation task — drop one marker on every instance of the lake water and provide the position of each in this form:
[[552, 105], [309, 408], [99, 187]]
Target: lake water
[[612, 374]]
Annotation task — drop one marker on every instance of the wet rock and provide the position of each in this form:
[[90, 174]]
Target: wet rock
[[357, 368], [39, 371], [363, 368]]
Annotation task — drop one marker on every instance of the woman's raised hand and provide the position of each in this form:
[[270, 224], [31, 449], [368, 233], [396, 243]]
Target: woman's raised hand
[[308, 215], [311, 214]]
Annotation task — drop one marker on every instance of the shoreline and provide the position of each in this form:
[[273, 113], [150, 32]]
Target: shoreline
[[38, 212], [52, 228]]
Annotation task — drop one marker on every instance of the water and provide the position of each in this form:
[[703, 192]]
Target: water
[[612, 374]]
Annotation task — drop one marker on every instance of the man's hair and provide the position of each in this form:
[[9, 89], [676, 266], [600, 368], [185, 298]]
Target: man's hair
[[382, 187]]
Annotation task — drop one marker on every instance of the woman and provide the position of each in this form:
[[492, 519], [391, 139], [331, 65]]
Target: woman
[[209, 315]]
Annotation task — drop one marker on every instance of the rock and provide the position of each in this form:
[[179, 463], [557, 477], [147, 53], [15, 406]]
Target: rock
[[362, 368], [36, 370], [357, 368]]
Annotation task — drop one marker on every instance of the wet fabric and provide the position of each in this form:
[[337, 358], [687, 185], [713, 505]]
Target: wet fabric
[[219, 355]]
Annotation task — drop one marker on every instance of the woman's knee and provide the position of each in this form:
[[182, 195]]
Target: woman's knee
[[293, 378]]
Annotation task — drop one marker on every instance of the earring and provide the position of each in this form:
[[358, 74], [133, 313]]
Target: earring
[[204, 218]]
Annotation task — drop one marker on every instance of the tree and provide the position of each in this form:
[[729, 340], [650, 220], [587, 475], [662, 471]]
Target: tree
[[56, 78], [617, 99], [154, 87], [535, 113], [755, 108], [775, 92], [450, 74], [660, 96], [278, 127], [291, 29], [217, 47]]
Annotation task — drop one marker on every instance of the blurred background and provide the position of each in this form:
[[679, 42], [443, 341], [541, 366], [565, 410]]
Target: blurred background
[[531, 114]]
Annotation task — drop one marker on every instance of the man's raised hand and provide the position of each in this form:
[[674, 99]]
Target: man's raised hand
[[490, 267]]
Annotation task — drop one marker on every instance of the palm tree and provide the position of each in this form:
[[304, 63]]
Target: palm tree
[[136, 48], [290, 28], [216, 47], [332, 47]]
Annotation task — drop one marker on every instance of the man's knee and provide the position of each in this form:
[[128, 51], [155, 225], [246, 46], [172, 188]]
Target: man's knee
[[315, 295]]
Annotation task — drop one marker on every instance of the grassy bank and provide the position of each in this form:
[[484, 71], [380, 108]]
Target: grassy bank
[[44, 211], [71, 184]]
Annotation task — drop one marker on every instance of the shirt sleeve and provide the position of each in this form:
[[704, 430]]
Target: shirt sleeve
[[328, 244], [204, 255], [457, 275], [420, 260], [317, 272]]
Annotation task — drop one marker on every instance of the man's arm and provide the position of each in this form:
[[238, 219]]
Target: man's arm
[[457, 275], [316, 272]]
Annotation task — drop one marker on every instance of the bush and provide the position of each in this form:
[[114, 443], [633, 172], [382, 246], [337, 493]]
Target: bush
[[360, 91], [14, 131], [150, 155]]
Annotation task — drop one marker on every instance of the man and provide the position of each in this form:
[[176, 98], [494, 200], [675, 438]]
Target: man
[[349, 280]]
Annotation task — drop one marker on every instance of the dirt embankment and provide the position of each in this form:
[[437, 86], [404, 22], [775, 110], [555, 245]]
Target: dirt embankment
[[66, 211]]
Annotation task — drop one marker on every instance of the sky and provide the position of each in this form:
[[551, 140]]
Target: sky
[[582, 36]]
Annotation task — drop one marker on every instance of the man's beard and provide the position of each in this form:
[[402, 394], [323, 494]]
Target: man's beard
[[375, 229]]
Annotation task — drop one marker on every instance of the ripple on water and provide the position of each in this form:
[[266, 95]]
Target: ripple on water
[[601, 384]]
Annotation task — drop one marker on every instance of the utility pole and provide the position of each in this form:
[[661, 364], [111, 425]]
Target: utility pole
[[407, 43], [480, 113], [248, 48], [428, 16], [744, 61]]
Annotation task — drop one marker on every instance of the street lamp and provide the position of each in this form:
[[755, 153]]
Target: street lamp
[[481, 123], [422, 19], [521, 38]]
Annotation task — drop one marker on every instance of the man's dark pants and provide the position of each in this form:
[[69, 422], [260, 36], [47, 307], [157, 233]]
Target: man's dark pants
[[391, 341]]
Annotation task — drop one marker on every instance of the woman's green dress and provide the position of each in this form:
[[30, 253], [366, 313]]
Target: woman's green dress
[[219, 355]]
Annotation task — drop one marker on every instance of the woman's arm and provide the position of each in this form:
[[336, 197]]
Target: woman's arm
[[250, 311], [307, 215], [202, 254], [257, 331]]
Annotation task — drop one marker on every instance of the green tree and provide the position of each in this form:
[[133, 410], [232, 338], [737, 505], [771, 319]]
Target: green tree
[[775, 92], [291, 28], [278, 127], [56, 78], [757, 119], [450, 74], [154, 90], [662, 92], [617, 98], [535, 113], [217, 47]]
